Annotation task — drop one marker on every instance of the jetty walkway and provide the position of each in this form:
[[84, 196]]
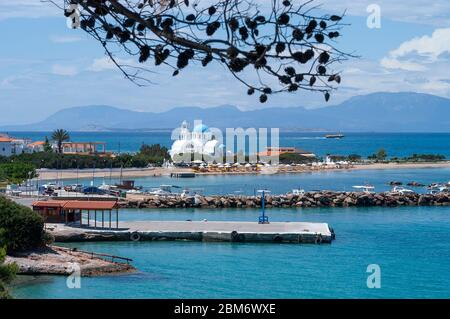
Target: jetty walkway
[[206, 231]]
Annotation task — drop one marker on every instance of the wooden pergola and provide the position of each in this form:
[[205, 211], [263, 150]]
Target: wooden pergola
[[74, 211]]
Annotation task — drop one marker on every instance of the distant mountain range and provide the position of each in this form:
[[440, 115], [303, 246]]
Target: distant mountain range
[[377, 112]]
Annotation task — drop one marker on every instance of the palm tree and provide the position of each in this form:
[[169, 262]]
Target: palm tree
[[59, 136]]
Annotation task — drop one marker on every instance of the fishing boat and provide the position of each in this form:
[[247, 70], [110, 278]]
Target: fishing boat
[[365, 188], [127, 185], [163, 190], [439, 188], [401, 190], [298, 192], [335, 136], [187, 192]]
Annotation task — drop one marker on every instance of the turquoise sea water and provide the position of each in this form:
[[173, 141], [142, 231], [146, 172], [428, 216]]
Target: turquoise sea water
[[411, 245], [396, 144]]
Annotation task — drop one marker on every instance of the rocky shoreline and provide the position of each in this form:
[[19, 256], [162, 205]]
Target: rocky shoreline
[[54, 260], [306, 200]]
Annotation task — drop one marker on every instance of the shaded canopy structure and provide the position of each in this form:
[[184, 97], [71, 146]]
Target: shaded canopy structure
[[77, 211]]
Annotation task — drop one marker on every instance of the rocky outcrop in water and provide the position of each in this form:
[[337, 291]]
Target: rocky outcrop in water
[[56, 260], [309, 199]]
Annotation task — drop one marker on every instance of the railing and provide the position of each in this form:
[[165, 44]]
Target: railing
[[101, 256]]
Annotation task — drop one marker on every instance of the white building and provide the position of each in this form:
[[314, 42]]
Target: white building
[[5, 145], [199, 141], [12, 146], [20, 146], [36, 146]]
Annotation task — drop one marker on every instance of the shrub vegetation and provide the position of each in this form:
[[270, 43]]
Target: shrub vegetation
[[22, 228]]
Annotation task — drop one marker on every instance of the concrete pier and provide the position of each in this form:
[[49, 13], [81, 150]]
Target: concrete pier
[[206, 231]]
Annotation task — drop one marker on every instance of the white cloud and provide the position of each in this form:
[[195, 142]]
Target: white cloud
[[64, 70], [394, 75], [429, 46], [392, 63], [419, 54], [436, 12], [105, 63], [102, 64], [28, 9]]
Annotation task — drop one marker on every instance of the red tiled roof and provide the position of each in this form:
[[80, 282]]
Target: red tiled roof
[[49, 203], [5, 139], [37, 143], [76, 204], [80, 204]]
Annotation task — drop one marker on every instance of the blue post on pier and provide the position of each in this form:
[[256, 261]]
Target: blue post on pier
[[263, 219]]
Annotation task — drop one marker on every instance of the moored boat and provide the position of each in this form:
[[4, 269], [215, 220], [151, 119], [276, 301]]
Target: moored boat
[[401, 190], [335, 136], [365, 188]]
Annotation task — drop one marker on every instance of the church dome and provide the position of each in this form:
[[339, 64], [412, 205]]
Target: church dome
[[201, 128]]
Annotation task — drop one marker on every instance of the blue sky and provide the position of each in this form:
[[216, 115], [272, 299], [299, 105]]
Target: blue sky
[[44, 66]]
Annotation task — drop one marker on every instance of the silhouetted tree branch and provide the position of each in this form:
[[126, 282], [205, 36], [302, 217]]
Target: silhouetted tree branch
[[288, 47]]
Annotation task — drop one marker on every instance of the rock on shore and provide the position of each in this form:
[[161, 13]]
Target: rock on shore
[[306, 200], [59, 261]]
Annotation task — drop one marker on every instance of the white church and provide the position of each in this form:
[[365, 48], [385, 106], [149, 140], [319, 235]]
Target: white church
[[200, 141]]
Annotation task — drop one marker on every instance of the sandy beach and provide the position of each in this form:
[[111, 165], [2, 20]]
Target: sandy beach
[[50, 174]]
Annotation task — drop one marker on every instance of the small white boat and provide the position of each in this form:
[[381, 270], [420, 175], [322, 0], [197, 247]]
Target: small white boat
[[163, 190], [439, 189], [298, 191], [401, 190], [133, 191], [191, 192], [365, 188]]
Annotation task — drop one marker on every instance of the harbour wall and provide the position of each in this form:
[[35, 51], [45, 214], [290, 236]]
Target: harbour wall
[[204, 231], [306, 200]]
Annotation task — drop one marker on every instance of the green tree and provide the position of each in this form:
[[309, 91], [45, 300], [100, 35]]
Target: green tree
[[381, 154], [7, 272], [288, 158], [154, 150], [16, 172], [47, 146], [59, 136], [23, 229], [354, 158]]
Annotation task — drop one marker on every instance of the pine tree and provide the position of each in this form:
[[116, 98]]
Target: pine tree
[[47, 146]]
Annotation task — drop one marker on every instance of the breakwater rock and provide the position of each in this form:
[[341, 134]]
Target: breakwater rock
[[306, 200]]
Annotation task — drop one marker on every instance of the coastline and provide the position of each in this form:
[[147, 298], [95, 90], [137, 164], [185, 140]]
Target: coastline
[[50, 174], [55, 260]]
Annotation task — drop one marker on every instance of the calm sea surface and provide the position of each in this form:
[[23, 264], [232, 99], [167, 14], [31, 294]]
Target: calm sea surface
[[283, 183], [411, 245], [396, 144]]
